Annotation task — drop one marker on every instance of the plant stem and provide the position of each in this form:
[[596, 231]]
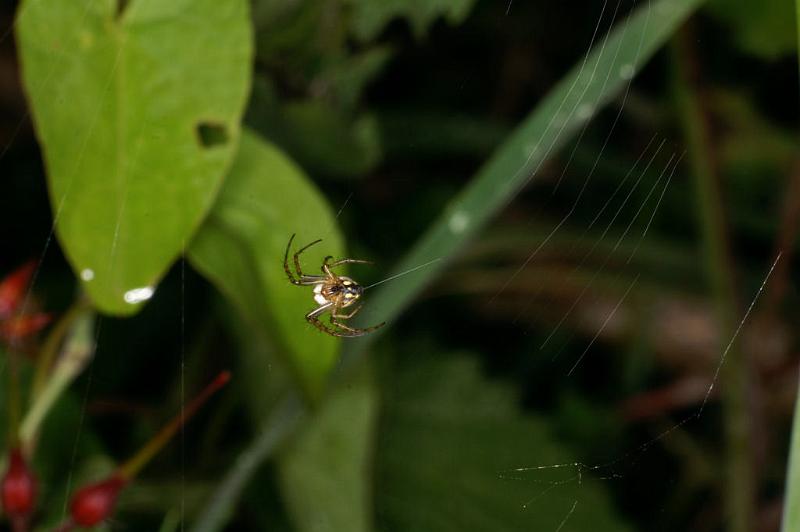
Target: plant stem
[[130, 468], [78, 350], [13, 397], [47, 353], [739, 484]]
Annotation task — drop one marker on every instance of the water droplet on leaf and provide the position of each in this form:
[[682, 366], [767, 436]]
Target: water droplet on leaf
[[137, 295]]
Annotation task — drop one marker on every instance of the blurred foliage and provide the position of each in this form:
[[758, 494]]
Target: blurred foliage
[[768, 32], [364, 121], [325, 138], [461, 441], [369, 18]]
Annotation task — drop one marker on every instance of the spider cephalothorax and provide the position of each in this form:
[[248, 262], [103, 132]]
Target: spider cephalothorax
[[331, 292]]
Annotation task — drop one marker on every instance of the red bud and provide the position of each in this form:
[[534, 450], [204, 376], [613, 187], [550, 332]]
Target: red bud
[[18, 488], [93, 504], [12, 288], [20, 327]]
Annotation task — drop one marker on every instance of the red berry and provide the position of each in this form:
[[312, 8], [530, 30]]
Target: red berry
[[12, 289], [18, 488], [93, 504]]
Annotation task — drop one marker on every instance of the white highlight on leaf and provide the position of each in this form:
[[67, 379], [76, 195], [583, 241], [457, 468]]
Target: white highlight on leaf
[[137, 295], [626, 71], [585, 111], [459, 221], [87, 274]]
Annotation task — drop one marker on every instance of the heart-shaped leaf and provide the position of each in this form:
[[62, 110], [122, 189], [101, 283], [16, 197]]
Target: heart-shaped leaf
[[137, 106]]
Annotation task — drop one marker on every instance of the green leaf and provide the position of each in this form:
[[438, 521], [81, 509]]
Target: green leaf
[[240, 248], [138, 116], [324, 139], [293, 33], [765, 29], [449, 452], [591, 84], [325, 472], [370, 17], [331, 141], [261, 371], [348, 76]]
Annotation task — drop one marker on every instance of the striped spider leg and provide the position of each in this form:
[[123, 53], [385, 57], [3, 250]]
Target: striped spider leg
[[332, 293]]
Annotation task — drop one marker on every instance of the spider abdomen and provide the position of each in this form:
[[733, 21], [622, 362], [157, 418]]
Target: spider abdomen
[[321, 294]]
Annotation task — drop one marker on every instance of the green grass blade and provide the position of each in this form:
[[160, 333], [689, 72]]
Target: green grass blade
[[791, 500], [791, 506], [593, 82]]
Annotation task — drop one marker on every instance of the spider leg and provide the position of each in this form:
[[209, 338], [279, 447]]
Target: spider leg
[[353, 330], [324, 328], [313, 318], [297, 277], [317, 312], [346, 316], [297, 256], [337, 328], [350, 261], [286, 262], [312, 280], [329, 263], [327, 269]]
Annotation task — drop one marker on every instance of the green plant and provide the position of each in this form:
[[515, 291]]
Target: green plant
[[563, 322]]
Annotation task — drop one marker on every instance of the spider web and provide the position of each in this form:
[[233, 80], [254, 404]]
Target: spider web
[[634, 182]]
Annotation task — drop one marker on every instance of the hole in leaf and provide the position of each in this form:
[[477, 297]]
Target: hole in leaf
[[122, 5], [211, 134]]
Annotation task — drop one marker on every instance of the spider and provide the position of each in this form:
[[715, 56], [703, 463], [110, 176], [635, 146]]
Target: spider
[[331, 292]]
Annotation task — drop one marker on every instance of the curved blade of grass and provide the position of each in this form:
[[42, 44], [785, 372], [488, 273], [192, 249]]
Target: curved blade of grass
[[606, 70], [791, 504]]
